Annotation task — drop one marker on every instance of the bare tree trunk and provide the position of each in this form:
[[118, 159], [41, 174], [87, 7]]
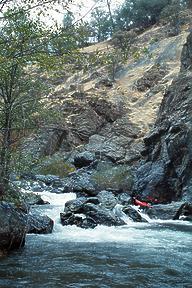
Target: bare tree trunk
[[5, 156], [6, 149], [110, 15]]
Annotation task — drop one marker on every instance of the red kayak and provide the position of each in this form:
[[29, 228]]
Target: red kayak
[[141, 203]]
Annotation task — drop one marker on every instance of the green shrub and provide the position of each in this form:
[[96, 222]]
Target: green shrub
[[58, 167], [153, 40], [112, 177]]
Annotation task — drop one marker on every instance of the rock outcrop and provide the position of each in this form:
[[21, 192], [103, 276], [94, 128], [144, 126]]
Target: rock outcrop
[[166, 174], [12, 227]]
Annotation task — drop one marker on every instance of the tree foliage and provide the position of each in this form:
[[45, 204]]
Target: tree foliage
[[139, 13], [24, 51], [21, 45], [100, 24]]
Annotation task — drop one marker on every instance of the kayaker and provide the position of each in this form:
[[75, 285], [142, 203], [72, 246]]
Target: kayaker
[[137, 202]]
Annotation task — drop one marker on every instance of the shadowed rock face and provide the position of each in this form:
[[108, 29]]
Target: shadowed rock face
[[15, 223], [12, 227], [186, 57], [38, 224], [166, 173]]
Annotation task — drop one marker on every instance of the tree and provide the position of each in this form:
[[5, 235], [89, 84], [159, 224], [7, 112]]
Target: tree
[[139, 13], [100, 24], [110, 15], [20, 47], [68, 19], [24, 49], [42, 6]]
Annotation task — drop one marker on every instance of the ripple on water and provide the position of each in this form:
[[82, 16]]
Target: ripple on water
[[141, 255]]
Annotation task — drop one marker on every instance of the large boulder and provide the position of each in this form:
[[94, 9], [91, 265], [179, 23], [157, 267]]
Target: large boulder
[[165, 211], [184, 212], [13, 227], [38, 224], [80, 182], [89, 212], [103, 175], [115, 178]]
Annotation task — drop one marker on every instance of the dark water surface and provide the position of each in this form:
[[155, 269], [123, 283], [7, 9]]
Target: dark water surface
[[157, 256]]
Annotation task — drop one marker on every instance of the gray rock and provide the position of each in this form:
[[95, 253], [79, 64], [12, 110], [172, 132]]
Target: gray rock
[[76, 206], [184, 212], [38, 224], [164, 212], [104, 82], [133, 214], [83, 159], [12, 227], [78, 220], [166, 173], [151, 77], [90, 212], [115, 178], [33, 199], [124, 199], [47, 179], [107, 199], [186, 56], [102, 216]]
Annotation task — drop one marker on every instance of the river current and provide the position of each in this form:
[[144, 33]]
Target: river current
[[137, 255]]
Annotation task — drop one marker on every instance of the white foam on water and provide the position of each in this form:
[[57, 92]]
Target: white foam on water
[[118, 212], [133, 233], [142, 213]]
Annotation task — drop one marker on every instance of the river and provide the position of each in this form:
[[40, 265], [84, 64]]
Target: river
[[156, 254]]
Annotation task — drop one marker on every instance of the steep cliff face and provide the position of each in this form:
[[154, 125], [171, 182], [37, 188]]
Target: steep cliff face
[[166, 174]]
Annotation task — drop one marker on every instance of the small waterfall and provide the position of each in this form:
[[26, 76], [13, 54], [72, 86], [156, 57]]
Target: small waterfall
[[142, 213], [117, 210], [57, 204]]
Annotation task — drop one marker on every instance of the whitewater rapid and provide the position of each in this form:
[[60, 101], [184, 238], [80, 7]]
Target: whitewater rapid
[[144, 255], [132, 232]]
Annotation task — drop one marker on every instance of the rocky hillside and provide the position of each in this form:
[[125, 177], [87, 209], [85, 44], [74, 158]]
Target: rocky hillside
[[110, 118], [103, 122]]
